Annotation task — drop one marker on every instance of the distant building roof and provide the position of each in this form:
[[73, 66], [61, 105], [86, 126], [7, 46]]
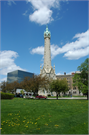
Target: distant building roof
[[77, 72]]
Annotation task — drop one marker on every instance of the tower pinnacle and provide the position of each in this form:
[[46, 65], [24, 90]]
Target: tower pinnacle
[[47, 33]]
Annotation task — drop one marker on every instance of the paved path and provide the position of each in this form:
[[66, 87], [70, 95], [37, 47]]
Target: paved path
[[70, 98]]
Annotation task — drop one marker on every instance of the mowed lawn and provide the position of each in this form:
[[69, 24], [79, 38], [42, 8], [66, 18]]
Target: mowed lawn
[[30, 116]]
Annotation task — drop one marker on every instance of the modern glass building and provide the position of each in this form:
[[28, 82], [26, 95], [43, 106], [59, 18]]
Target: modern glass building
[[18, 75]]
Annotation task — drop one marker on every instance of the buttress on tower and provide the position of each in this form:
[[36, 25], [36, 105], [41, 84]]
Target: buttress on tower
[[47, 68]]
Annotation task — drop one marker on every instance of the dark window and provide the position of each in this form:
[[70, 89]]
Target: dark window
[[74, 88], [74, 92]]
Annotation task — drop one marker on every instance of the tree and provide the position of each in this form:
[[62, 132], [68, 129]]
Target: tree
[[15, 85], [9, 87], [64, 85], [34, 83], [3, 86], [81, 80], [39, 82], [77, 81], [59, 86], [26, 84]]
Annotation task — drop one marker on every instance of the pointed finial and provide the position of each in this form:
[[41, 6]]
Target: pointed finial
[[46, 27], [54, 66]]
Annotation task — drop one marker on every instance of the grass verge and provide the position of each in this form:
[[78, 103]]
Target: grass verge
[[29, 116]]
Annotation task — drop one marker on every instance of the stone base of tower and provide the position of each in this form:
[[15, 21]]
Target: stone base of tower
[[49, 73]]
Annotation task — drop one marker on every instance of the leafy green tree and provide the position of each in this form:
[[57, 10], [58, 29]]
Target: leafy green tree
[[81, 80], [59, 86], [64, 85], [77, 81], [55, 86]]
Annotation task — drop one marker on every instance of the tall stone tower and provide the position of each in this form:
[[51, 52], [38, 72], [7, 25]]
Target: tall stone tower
[[47, 68]]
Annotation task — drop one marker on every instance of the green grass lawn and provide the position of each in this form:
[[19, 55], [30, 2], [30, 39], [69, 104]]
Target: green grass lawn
[[30, 116], [65, 96], [58, 97]]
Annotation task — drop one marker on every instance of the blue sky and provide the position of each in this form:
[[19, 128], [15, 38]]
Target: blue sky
[[22, 41]]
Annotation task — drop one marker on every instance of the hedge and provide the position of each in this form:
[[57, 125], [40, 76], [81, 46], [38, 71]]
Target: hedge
[[7, 95]]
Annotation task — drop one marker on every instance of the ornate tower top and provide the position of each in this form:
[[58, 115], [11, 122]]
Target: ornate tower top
[[47, 33]]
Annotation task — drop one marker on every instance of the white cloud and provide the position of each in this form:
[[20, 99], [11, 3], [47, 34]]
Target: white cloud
[[38, 50], [3, 79], [76, 54], [74, 50], [37, 4], [42, 10], [60, 73], [41, 16], [7, 63], [25, 13]]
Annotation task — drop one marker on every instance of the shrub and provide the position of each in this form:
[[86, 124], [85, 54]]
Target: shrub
[[6, 95]]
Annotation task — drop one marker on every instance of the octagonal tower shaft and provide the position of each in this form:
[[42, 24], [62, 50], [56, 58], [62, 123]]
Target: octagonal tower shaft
[[47, 54], [47, 51]]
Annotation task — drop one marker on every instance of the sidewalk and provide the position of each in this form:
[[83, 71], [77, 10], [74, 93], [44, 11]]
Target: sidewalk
[[70, 98]]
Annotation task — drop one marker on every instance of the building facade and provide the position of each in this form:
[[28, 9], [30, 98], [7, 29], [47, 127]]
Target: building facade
[[72, 90], [18, 75], [69, 78]]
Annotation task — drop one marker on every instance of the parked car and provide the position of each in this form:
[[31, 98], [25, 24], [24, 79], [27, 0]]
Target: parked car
[[30, 96], [19, 95], [40, 97]]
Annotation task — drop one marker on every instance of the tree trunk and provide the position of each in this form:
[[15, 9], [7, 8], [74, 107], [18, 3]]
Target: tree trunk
[[15, 91], [34, 94], [57, 95], [87, 96]]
